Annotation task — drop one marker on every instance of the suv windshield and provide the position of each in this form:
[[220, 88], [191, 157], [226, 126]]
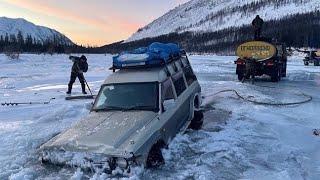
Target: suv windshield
[[129, 96]]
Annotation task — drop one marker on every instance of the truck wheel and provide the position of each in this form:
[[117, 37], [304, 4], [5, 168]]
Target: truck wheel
[[284, 73], [155, 158], [197, 121], [280, 74], [240, 77], [276, 76], [316, 63]]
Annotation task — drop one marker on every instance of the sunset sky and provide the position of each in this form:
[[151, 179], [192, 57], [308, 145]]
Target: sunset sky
[[94, 22]]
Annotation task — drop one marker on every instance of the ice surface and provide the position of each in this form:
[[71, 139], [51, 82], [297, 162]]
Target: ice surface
[[239, 140]]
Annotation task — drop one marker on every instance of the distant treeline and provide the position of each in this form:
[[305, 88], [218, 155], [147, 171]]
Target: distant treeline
[[300, 30], [11, 43]]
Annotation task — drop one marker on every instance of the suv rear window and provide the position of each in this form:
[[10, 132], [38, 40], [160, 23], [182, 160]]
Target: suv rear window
[[188, 72], [179, 84]]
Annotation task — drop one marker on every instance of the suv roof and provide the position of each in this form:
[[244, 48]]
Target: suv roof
[[137, 75], [156, 74]]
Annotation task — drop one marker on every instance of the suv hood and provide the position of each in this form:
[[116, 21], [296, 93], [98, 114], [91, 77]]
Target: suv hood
[[102, 132]]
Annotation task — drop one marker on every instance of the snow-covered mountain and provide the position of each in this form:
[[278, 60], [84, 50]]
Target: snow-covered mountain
[[9, 26], [214, 15]]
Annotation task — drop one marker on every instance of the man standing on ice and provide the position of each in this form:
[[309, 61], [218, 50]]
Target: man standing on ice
[[80, 66], [257, 24]]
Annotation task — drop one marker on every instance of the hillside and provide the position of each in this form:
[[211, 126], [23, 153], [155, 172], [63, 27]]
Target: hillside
[[9, 27], [215, 15], [299, 30], [219, 26]]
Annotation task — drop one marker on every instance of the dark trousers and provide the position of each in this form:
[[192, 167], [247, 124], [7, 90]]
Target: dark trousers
[[257, 33], [74, 76]]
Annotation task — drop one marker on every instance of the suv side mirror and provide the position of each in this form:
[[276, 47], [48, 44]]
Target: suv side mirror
[[168, 104]]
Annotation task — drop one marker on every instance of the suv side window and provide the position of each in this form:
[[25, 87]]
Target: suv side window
[[179, 83], [185, 62], [178, 65], [190, 77], [167, 94], [171, 69], [167, 90]]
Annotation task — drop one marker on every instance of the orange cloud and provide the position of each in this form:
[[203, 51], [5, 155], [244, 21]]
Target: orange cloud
[[95, 22], [52, 11]]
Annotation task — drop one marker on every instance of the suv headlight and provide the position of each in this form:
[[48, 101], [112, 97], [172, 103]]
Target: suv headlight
[[122, 163]]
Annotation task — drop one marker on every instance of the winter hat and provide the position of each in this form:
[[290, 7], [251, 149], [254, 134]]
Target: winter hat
[[83, 58]]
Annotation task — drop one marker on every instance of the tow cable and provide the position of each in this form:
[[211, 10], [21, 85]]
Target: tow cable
[[25, 103], [308, 99]]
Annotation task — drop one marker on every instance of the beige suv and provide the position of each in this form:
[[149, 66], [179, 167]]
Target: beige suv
[[136, 113]]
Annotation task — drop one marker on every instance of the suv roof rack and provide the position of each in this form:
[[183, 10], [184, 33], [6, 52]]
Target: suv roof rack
[[155, 55]]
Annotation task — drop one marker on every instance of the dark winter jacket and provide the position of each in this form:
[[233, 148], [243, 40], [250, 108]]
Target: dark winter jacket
[[80, 65], [257, 23]]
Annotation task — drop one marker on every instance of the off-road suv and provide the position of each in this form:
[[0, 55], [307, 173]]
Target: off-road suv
[[136, 114]]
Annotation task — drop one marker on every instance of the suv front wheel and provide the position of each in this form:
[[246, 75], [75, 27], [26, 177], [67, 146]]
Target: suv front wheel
[[197, 121], [155, 158]]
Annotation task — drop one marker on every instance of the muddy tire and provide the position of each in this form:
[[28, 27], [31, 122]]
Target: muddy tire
[[155, 158], [197, 121], [240, 77], [276, 76]]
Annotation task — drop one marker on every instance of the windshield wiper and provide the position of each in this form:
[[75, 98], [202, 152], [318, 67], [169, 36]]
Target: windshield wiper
[[137, 108], [98, 110], [108, 108], [130, 108]]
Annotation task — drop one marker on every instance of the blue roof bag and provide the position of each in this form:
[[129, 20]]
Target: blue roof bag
[[157, 54]]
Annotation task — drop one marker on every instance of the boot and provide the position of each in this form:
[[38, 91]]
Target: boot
[[69, 89], [83, 86]]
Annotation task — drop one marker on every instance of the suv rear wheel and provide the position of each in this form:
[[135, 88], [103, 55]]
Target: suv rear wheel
[[155, 158], [197, 121]]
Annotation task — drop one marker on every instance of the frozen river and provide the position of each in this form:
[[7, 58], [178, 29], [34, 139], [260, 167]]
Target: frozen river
[[239, 140]]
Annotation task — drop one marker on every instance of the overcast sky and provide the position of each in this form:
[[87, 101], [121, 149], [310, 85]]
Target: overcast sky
[[94, 22]]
